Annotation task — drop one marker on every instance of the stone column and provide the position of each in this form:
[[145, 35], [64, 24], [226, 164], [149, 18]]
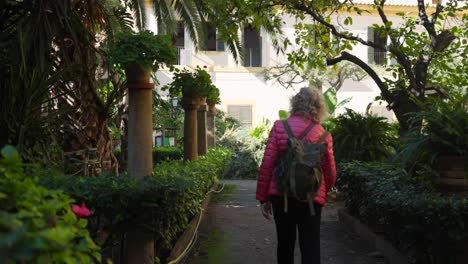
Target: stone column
[[139, 245], [211, 126], [201, 127], [140, 130], [190, 106]]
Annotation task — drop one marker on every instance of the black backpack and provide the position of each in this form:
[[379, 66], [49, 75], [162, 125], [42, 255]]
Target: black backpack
[[298, 172]]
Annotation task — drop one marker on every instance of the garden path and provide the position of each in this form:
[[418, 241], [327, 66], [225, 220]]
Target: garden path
[[233, 231]]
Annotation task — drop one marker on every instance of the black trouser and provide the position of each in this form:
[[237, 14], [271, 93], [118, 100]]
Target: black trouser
[[298, 215]]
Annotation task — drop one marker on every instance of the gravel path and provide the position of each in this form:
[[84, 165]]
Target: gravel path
[[233, 231]]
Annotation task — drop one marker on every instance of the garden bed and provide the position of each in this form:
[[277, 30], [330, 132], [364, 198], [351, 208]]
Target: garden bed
[[425, 226], [186, 240], [162, 204]]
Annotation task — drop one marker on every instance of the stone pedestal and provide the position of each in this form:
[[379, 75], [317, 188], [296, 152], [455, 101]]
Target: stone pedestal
[[201, 127], [190, 106], [140, 130], [211, 126], [139, 246]]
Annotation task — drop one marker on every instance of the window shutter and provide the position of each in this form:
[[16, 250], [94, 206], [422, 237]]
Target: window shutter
[[370, 50], [220, 45], [242, 113]]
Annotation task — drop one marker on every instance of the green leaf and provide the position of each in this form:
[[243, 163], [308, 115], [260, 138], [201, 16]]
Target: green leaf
[[330, 99], [283, 114], [344, 102]]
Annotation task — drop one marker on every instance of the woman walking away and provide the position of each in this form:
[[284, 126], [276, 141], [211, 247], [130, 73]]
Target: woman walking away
[[277, 194]]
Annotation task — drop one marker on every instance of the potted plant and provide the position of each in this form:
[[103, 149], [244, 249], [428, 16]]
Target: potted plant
[[212, 97], [188, 84], [442, 143], [142, 53]]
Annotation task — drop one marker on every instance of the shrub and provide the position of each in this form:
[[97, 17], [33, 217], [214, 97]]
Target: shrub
[[193, 84], [223, 122], [444, 130], [363, 137], [144, 49], [37, 225], [162, 204], [161, 154], [428, 227], [248, 150]]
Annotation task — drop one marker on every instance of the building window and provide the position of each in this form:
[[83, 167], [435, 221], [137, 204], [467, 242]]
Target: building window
[[242, 113], [179, 38], [376, 56], [252, 47], [179, 42], [209, 41]]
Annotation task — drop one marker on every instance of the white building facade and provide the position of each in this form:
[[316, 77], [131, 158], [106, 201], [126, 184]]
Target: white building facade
[[246, 95]]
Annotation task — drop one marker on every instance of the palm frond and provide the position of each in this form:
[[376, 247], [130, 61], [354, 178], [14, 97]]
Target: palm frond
[[189, 14], [137, 7], [165, 16]]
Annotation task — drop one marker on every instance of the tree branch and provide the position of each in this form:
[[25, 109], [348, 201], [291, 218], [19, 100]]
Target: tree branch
[[435, 15], [349, 57], [426, 23], [400, 56], [318, 18]]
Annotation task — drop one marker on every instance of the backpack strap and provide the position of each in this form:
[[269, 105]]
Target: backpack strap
[[288, 129], [322, 138], [306, 131], [290, 134]]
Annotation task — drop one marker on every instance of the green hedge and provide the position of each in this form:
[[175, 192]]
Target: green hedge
[[37, 225], [161, 154], [162, 204], [428, 227]]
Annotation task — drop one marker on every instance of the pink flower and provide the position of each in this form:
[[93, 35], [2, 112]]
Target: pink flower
[[81, 211]]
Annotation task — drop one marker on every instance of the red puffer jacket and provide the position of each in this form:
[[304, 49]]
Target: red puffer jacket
[[277, 144]]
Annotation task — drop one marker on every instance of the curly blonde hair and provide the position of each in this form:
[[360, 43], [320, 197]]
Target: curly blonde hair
[[309, 101]]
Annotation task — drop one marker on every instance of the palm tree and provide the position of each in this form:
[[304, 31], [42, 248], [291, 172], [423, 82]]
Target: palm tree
[[48, 70]]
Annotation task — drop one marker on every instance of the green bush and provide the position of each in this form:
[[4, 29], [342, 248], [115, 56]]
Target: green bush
[[224, 122], [444, 130], [427, 226], [248, 150], [143, 48], [161, 154], [362, 137], [162, 204], [37, 225]]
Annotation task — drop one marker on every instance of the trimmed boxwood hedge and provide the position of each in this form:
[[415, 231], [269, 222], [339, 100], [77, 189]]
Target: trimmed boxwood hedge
[[161, 154], [427, 226], [162, 204]]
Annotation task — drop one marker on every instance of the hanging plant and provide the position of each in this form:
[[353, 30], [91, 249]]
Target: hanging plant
[[192, 84], [144, 49]]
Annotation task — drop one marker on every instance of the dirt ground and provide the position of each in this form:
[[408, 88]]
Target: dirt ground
[[233, 231]]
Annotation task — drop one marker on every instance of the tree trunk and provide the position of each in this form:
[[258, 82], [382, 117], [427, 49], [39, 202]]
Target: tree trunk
[[403, 105], [87, 143]]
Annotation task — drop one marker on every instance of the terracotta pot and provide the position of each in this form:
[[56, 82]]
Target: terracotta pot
[[452, 173], [136, 74]]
